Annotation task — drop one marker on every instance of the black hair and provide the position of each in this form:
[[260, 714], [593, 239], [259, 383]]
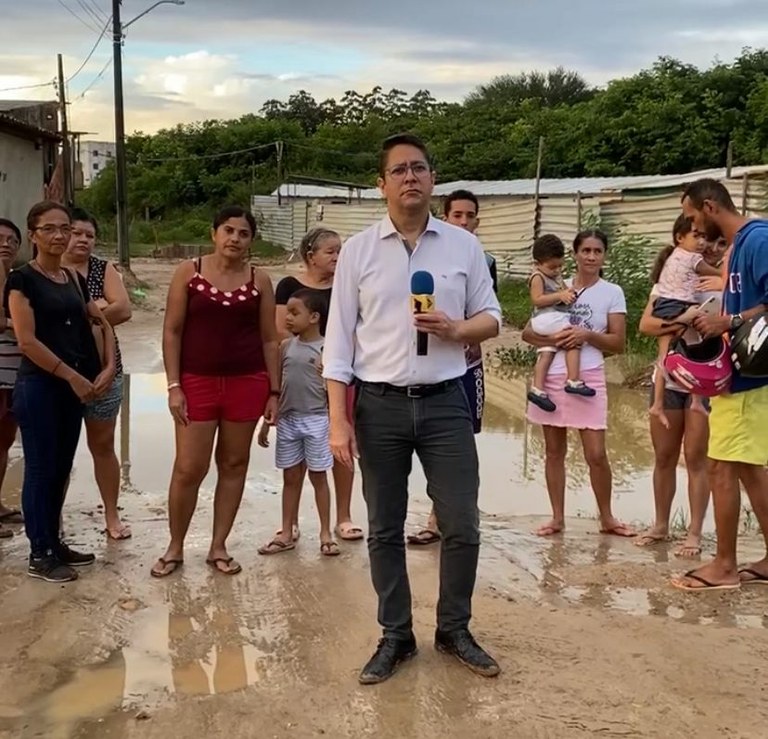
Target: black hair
[[312, 239], [460, 195], [683, 226], [79, 214], [547, 246], [10, 224], [40, 209], [593, 233], [313, 300], [401, 139], [234, 211], [708, 189]]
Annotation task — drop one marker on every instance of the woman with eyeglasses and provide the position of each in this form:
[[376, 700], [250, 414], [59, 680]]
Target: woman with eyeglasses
[[106, 288], [61, 370], [10, 356]]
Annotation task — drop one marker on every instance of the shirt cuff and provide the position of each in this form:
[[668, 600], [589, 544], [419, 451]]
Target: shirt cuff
[[339, 373]]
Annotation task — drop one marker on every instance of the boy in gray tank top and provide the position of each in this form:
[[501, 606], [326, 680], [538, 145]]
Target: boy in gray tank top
[[552, 299], [302, 423]]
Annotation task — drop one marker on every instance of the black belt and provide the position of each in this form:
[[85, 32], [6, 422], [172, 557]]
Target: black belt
[[411, 391]]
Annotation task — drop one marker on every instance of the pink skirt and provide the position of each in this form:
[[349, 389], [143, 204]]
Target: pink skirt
[[574, 411]]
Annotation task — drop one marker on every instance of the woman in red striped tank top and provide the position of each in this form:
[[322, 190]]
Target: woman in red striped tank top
[[220, 351]]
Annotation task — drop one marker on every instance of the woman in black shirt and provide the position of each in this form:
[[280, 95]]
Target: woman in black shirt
[[319, 250], [60, 370]]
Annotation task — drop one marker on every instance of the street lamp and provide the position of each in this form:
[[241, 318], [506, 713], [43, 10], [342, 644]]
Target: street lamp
[[123, 247]]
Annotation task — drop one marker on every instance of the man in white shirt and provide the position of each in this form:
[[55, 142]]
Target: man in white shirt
[[408, 403]]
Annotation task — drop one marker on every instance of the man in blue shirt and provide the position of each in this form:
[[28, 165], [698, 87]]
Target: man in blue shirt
[[738, 443]]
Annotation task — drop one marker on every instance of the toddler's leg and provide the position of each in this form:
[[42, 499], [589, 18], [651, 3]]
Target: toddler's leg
[[575, 385], [657, 408], [536, 395], [319, 482]]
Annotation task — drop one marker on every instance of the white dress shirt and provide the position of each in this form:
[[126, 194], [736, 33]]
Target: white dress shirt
[[371, 334]]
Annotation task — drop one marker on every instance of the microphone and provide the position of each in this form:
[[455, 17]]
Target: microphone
[[422, 301]]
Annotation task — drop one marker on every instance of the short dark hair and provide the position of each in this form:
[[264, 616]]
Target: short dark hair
[[460, 195], [80, 214], [234, 211], [401, 139], [313, 300], [10, 224], [40, 209], [548, 246], [708, 188]]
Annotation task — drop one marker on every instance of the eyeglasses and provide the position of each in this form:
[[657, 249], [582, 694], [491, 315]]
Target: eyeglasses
[[50, 230], [419, 169]]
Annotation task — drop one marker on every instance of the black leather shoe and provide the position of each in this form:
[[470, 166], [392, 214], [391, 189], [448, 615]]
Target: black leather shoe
[[388, 656], [462, 645]]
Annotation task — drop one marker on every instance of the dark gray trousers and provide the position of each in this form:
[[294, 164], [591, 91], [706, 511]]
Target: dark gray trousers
[[390, 427]]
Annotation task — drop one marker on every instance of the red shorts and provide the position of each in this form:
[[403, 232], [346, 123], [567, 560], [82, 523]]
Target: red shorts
[[237, 398]]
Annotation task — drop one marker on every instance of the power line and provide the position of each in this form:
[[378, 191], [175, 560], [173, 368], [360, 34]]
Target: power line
[[90, 12], [214, 156], [75, 15], [96, 79], [29, 87], [91, 52]]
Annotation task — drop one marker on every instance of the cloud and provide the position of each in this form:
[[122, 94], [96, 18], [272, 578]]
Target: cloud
[[226, 58]]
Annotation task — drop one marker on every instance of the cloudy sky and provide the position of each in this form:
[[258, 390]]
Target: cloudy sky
[[222, 58]]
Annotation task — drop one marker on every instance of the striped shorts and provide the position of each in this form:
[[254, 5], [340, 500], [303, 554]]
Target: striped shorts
[[303, 438]]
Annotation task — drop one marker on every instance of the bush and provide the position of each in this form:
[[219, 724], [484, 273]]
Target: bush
[[515, 302]]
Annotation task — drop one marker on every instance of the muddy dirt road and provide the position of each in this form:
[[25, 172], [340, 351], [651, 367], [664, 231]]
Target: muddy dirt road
[[592, 641]]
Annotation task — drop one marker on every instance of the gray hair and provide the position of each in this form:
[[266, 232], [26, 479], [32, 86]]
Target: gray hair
[[312, 239]]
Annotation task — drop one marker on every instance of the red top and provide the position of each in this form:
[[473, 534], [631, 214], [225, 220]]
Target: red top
[[222, 330]]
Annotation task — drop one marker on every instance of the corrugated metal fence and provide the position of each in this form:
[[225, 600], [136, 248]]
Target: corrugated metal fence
[[508, 224]]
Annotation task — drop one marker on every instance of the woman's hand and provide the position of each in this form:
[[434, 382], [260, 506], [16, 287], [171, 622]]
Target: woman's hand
[[177, 404], [103, 381], [82, 388], [270, 412], [573, 337], [263, 437]]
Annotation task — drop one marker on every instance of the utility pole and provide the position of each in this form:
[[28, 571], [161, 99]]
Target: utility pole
[[279, 146], [66, 150], [123, 247]]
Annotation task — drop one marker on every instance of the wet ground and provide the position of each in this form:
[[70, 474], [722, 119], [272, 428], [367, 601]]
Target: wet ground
[[592, 640]]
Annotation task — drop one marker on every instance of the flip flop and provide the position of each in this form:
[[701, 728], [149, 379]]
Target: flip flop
[[621, 530], [330, 549], [423, 538], [123, 533], [548, 530], [705, 584], [295, 533], [12, 516], [649, 540], [684, 552], [174, 564], [757, 578], [349, 532], [276, 547], [232, 569]]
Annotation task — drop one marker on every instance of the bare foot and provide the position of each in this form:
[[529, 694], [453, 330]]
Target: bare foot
[[550, 529], [711, 576], [657, 411], [614, 527], [654, 535], [755, 573], [690, 548]]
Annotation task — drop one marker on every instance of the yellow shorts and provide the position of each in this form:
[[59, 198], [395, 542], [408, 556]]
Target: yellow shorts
[[738, 427]]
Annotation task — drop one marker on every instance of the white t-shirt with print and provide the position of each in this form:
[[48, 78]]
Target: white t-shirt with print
[[591, 312]]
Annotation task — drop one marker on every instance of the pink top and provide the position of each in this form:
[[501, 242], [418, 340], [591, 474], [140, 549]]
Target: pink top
[[679, 279]]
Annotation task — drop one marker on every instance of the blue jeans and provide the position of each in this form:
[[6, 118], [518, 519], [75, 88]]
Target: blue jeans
[[50, 416], [390, 428]]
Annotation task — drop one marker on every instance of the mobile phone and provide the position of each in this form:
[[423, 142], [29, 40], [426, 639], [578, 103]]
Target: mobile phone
[[711, 306]]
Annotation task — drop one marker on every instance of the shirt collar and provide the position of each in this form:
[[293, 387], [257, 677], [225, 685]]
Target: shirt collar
[[387, 228]]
